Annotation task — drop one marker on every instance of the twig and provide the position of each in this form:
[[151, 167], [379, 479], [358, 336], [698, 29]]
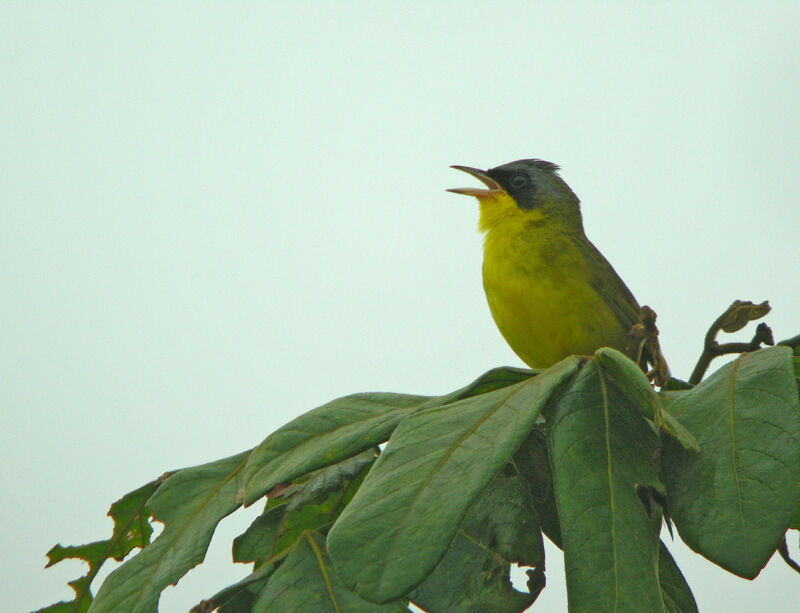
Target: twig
[[659, 374], [734, 318], [645, 334]]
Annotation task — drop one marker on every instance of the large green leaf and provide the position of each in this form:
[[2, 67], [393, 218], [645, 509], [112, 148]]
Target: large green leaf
[[402, 520], [500, 528], [190, 503], [603, 452], [306, 582], [677, 595], [733, 500], [344, 427]]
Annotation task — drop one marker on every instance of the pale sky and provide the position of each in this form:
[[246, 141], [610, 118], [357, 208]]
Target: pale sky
[[217, 216]]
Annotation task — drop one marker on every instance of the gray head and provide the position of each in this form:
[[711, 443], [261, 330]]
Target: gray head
[[532, 183]]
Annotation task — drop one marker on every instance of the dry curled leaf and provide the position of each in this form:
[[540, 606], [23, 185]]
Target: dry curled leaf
[[741, 312]]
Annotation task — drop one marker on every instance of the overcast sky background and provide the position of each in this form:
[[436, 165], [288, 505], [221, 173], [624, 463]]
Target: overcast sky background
[[217, 216]]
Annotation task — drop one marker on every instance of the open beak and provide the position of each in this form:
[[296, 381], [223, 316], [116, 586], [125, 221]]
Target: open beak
[[477, 191]]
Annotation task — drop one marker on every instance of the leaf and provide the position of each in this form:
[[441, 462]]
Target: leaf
[[633, 383], [677, 595], [190, 503], [324, 436], [404, 517], [258, 541], [500, 527], [533, 462], [488, 382], [344, 427], [131, 530], [239, 597], [733, 500], [602, 451], [278, 529], [242, 602], [740, 313], [330, 479], [283, 523], [306, 581], [67, 607], [674, 385]]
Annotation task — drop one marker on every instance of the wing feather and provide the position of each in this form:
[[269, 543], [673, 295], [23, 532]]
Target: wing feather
[[605, 280]]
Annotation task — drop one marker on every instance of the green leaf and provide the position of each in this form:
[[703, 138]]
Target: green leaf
[[345, 427], [313, 506], [674, 385], [190, 503], [329, 479], [795, 523], [242, 602], [404, 517], [533, 463], [733, 500], [488, 382], [72, 606], [633, 383], [500, 527], [306, 581], [258, 541], [602, 451], [131, 530], [326, 435], [282, 524], [239, 597], [677, 595]]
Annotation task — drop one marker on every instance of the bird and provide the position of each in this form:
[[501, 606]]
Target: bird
[[550, 291]]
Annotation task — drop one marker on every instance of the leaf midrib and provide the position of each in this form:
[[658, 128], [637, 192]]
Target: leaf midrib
[[739, 501], [612, 505]]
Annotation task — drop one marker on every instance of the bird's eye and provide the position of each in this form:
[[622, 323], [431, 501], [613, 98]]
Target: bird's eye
[[518, 181]]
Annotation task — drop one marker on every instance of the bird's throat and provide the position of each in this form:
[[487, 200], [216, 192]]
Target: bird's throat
[[500, 212]]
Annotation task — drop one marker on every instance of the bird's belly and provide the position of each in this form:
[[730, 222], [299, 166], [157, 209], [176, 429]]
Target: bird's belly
[[548, 316]]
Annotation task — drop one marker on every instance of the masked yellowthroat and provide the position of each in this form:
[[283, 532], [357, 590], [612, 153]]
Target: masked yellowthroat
[[550, 291]]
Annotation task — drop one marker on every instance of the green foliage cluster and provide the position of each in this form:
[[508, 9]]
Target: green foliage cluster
[[585, 452]]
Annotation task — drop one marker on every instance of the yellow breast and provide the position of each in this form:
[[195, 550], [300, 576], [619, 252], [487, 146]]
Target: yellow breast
[[539, 290]]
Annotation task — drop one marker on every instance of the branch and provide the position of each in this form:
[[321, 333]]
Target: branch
[[734, 318]]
